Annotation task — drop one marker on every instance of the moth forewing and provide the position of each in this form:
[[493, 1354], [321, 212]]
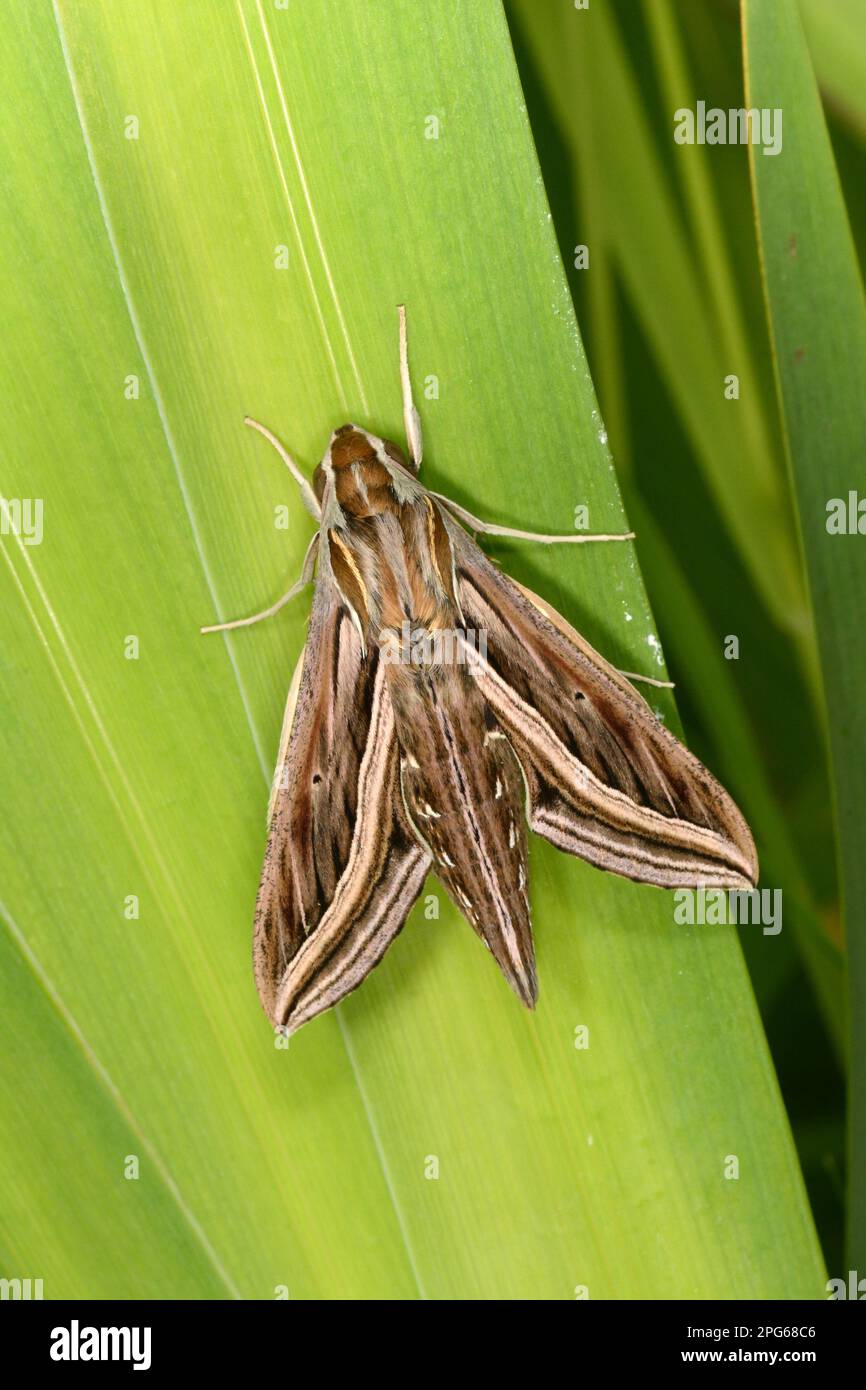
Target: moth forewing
[[280, 777], [580, 642], [383, 875], [607, 780], [318, 809]]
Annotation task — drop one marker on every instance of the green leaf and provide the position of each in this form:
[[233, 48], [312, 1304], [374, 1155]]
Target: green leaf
[[695, 651], [835, 35], [588, 76], [139, 1037], [816, 311]]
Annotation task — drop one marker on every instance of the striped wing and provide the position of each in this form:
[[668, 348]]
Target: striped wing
[[342, 867], [464, 795], [607, 781]]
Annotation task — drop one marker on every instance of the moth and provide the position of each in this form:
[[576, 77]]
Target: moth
[[391, 767]]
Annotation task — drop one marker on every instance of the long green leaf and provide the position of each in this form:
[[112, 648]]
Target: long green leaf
[[589, 78], [816, 310], [835, 34], [632, 225]]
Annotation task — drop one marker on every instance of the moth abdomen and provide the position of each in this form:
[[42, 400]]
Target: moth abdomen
[[464, 795]]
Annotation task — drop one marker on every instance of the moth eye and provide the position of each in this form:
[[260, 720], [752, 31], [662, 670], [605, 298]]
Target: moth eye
[[317, 777], [579, 695]]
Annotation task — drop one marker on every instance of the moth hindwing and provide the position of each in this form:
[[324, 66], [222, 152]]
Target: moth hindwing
[[438, 711]]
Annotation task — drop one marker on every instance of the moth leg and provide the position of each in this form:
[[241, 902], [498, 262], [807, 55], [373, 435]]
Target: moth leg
[[306, 577], [648, 680], [489, 528], [411, 418], [308, 497]]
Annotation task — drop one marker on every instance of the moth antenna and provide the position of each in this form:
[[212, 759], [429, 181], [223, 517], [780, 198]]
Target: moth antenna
[[411, 418], [648, 680], [488, 528], [309, 498]]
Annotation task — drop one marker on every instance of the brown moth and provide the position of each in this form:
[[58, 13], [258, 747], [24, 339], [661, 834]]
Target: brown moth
[[391, 767]]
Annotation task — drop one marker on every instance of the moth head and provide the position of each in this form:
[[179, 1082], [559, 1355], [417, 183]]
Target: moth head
[[354, 453]]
